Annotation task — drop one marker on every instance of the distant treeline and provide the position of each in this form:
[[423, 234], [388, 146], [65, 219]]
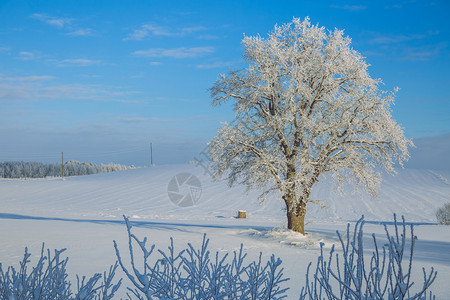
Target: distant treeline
[[21, 169]]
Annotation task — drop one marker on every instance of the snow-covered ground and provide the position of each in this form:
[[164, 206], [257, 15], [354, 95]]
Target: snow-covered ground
[[84, 215]]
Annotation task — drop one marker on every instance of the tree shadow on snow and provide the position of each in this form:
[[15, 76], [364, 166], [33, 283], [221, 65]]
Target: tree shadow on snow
[[177, 226]]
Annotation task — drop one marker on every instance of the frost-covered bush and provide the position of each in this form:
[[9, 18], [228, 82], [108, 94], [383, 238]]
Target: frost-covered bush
[[351, 277], [193, 274], [48, 280], [443, 214], [21, 169]]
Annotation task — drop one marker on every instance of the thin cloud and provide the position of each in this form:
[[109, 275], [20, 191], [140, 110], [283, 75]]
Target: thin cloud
[[352, 8], [405, 47], [92, 76], [394, 6], [57, 22], [373, 53], [26, 78], [214, 65], [444, 99], [414, 54], [394, 39], [208, 37], [189, 30], [175, 52], [163, 120], [81, 32], [34, 88], [134, 120], [62, 23], [89, 92], [156, 30], [146, 30], [26, 55], [139, 75], [79, 62]]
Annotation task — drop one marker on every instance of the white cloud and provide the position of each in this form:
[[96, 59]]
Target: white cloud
[[26, 78], [156, 30], [214, 65], [163, 120], [26, 55], [88, 92], [139, 75], [80, 62], [420, 54], [349, 7], [146, 30], [373, 53], [193, 29], [134, 120], [442, 99], [92, 76], [394, 6], [175, 52], [394, 39], [57, 22], [35, 88], [63, 23], [405, 46], [208, 37], [81, 32]]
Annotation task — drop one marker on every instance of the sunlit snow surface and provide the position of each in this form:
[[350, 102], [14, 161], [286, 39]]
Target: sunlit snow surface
[[84, 214]]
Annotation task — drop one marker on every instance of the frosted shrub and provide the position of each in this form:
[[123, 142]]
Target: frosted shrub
[[386, 277], [194, 274], [443, 214], [48, 280]]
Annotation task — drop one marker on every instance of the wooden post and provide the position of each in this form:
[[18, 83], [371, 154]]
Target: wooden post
[[242, 214], [151, 155], [62, 165]]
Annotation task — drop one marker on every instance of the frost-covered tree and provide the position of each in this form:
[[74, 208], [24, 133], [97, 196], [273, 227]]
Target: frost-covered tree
[[304, 106]]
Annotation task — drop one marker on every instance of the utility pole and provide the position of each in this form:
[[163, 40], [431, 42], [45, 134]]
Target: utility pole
[[62, 165], [151, 155]]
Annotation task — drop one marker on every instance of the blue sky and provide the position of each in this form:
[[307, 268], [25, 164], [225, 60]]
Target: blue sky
[[100, 80]]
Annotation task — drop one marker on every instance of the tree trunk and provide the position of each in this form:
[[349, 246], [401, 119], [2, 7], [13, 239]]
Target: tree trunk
[[295, 212], [295, 208], [296, 219]]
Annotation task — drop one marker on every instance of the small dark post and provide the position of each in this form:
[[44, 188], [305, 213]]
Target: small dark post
[[62, 165], [151, 155]]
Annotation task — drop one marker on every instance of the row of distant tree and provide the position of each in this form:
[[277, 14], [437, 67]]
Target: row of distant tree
[[21, 169]]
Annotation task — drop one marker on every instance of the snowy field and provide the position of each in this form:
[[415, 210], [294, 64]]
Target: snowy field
[[84, 215]]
